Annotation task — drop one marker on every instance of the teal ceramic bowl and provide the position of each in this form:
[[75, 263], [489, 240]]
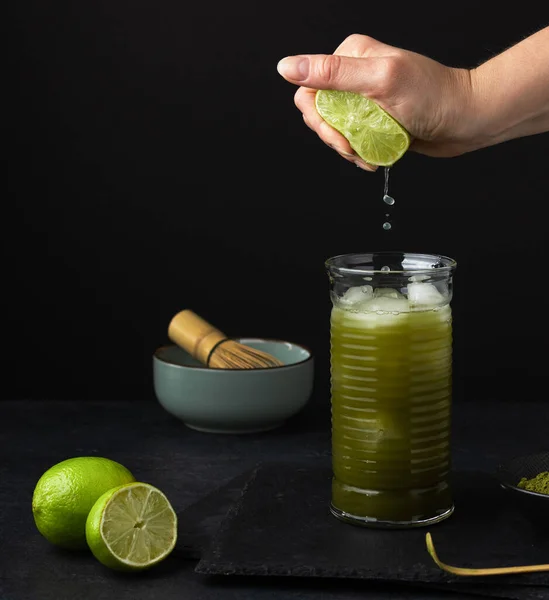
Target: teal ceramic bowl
[[234, 400]]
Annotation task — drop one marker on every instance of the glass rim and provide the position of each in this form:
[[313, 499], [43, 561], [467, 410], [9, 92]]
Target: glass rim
[[447, 264]]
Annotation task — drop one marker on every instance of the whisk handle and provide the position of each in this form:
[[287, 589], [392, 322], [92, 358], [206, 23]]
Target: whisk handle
[[194, 334]]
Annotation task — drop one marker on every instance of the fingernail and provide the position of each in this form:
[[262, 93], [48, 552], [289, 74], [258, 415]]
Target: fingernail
[[364, 166], [294, 67], [340, 151]]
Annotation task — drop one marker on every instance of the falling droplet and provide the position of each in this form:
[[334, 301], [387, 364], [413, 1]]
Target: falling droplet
[[389, 200]]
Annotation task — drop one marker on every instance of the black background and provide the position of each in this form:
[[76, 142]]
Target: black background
[[156, 161]]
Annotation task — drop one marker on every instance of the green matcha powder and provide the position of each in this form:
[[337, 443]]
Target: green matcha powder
[[539, 483]]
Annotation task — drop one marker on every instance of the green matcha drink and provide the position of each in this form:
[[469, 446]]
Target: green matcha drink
[[391, 374]]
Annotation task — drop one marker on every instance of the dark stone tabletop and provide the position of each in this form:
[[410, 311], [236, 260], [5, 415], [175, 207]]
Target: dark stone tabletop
[[189, 467]]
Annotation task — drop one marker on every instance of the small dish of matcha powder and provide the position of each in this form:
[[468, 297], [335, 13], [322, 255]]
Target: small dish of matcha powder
[[539, 483]]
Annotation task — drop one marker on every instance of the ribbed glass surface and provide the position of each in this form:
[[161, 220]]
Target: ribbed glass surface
[[391, 379]]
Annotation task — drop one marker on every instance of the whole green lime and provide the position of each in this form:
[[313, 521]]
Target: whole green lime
[[66, 492]]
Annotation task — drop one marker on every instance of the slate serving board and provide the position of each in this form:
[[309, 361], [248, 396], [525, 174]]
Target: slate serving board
[[280, 525], [198, 523]]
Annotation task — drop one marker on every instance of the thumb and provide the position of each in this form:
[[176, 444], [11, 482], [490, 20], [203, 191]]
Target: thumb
[[330, 71]]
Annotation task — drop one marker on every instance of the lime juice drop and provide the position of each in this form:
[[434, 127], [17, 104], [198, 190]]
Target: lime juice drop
[[386, 198], [389, 200]]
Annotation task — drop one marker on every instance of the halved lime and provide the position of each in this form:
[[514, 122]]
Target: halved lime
[[131, 527], [373, 133]]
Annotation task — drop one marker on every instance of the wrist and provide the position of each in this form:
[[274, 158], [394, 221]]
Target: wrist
[[473, 118], [483, 111]]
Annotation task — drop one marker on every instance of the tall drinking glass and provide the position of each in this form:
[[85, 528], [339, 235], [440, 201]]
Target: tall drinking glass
[[391, 388]]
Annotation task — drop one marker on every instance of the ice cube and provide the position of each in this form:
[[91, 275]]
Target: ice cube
[[424, 295], [387, 293], [419, 277], [386, 304], [356, 295]]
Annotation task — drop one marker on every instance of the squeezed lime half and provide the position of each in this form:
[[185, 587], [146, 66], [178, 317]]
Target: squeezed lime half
[[373, 133]]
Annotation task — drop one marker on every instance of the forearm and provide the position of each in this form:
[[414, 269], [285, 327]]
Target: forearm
[[510, 93]]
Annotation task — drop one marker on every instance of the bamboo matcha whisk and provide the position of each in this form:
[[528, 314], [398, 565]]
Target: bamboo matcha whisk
[[212, 347]]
